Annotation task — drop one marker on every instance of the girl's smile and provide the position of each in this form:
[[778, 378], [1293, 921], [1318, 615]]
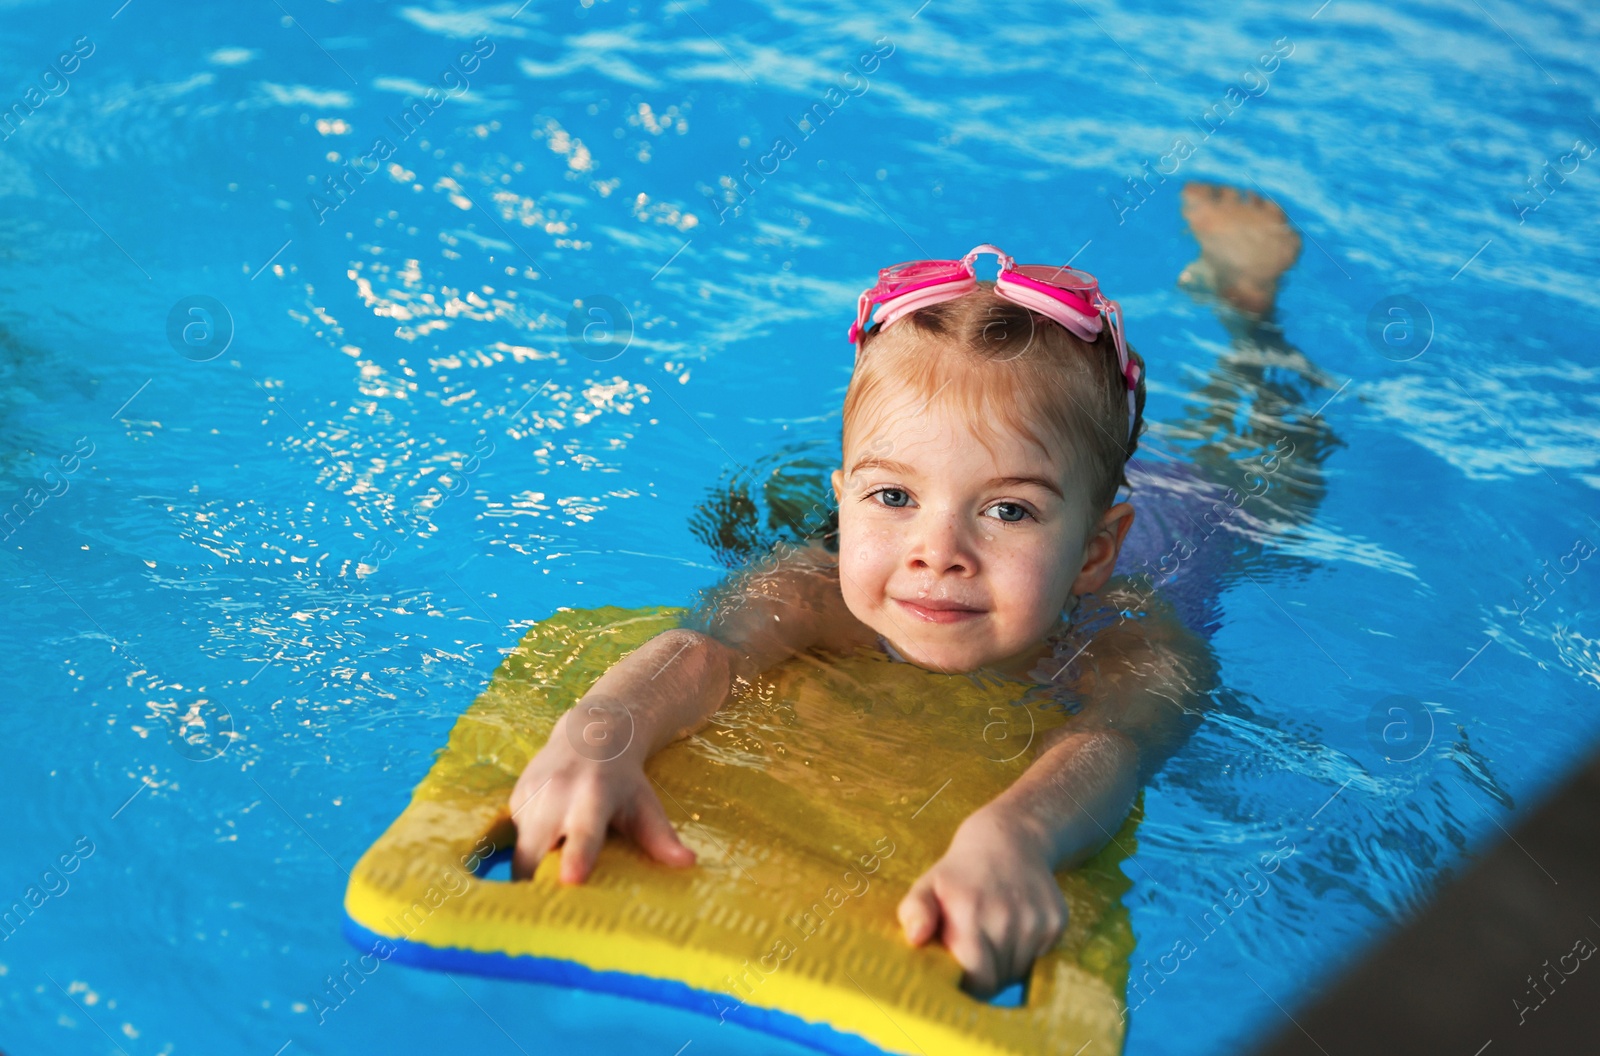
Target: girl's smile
[[940, 612]]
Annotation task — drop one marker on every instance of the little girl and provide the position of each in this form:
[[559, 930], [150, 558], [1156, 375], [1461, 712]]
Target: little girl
[[986, 431]]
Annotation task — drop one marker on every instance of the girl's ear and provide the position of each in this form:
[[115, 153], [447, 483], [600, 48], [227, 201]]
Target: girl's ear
[[838, 484], [1100, 550]]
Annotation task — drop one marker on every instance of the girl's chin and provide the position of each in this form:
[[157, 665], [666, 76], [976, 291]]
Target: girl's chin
[[942, 661], [946, 662], [947, 667]]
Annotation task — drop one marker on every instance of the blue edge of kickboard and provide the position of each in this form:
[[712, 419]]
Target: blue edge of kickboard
[[569, 974]]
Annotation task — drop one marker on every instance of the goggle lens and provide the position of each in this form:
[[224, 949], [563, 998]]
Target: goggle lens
[[1066, 278], [919, 271]]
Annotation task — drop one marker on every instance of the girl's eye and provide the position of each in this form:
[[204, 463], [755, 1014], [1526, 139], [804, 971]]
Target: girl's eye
[[887, 497], [1009, 508]]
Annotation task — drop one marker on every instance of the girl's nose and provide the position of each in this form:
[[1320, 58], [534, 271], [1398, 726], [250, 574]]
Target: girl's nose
[[940, 543]]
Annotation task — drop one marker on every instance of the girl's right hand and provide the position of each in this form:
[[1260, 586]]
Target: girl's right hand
[[576, 787]]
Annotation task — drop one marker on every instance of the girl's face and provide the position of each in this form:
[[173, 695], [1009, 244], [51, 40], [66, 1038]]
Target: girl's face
[[962, 557]]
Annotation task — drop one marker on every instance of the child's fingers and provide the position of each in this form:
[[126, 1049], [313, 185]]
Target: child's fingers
[[588, 818], [579, 852], [1054, 924], [650, 829], [1019, 934], [535, 814], [970, 945], [536, 832], [919, 912]]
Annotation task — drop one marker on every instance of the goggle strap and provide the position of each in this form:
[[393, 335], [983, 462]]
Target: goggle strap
[[899, 304], [1086, 327], [1130, 370]]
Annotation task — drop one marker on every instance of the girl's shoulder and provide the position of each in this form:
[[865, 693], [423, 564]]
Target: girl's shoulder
[[813, 576], [786, 602]]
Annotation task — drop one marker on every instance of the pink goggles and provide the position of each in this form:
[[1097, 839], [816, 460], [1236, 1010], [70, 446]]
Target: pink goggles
[[1070, 297]]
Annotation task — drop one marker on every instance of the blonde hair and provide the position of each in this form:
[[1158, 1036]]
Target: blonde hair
[[996, 359]]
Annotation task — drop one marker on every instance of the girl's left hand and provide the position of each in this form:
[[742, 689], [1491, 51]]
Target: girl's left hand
[[992, 899]]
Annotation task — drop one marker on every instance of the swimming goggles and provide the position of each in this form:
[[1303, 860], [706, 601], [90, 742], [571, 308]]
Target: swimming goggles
[[1070, 297]]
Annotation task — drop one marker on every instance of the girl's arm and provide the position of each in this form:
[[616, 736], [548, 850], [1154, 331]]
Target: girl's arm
[[993, 894], [1143, 685], [590, 775]]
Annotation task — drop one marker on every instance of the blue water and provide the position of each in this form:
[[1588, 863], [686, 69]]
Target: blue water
[[236, 631]]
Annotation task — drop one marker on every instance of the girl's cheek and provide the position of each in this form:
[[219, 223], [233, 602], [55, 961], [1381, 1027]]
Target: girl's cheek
[[1030, 580], [860, 607], [853, 560], [859, 562]]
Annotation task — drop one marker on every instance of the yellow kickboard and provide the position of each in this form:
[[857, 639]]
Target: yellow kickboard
[[813, 800]]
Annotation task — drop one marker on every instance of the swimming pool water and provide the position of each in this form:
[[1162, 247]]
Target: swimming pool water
[[256, 567]]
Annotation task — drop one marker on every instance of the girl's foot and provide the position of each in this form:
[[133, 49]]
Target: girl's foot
[[1246, 244]]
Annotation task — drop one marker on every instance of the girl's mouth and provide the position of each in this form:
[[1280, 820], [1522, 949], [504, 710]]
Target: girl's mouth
[[939, 611]]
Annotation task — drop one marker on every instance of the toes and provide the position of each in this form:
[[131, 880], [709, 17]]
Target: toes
[[1198, 275]]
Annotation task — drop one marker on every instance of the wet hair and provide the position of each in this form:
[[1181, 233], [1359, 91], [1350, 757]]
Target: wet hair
[[1003, 363]]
